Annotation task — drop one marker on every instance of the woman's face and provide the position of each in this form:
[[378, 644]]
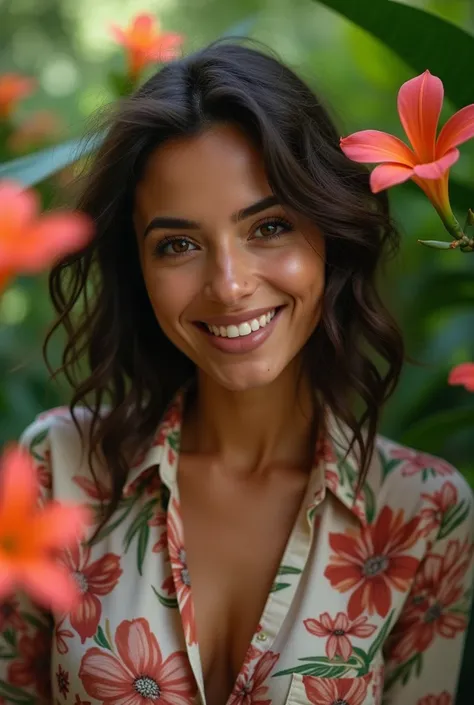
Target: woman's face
[[235, 279]]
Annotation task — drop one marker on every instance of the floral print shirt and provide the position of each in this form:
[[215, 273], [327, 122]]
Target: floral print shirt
[[369, 605]]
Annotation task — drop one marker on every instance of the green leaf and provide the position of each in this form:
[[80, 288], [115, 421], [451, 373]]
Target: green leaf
[[109, 528], [431, 432], [34, 621], [388, 464], [288, 570], [319, 670], [404, 670], [143, 517], [10, 636], [120, 83], [34, 168], [279, 586], [380, 639], [143, 537], [171, 602], [15, 695], [416, 36], [437, 244], [453, 518], [39, 438], [370, 507], [101, 639]]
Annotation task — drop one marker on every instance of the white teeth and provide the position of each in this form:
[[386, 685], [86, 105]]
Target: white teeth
[[245, 329], [242, 329], [232, 332]]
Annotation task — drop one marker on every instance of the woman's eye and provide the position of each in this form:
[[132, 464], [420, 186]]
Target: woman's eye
[[175, 246], [271, 229]]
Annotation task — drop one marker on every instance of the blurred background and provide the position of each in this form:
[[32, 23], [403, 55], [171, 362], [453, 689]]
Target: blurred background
[[66, 45]]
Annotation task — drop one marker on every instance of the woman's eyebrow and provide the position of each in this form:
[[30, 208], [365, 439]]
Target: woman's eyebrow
[[170, 222]]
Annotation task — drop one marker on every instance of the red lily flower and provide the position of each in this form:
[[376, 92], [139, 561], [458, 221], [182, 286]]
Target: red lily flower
[[29, 242], [144, 43], [463, 374], [13, 88], [429, 159]]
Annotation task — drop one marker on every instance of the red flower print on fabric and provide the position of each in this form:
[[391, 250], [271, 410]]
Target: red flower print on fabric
[[443, 698], [62, 679], [439, 502], [437, 588], [159, 520], [61, 635], [179, 572], [97, 491], [138, 673], [94, 580], [416, 462], [10, 616], [250, 687], [45, 478], [32, 667], [328, 691], [373, 561], [78, 701], [338, 631]]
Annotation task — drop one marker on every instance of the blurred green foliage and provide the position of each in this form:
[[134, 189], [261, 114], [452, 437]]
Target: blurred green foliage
[[65, 44]]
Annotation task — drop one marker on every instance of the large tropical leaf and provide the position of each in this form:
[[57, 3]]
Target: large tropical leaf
[[422, 40], [34, 168]]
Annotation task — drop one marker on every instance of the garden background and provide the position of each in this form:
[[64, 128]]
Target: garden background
[[357, 65]]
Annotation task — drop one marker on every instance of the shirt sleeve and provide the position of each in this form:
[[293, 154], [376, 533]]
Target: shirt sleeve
[[25, 629], [423, 655]]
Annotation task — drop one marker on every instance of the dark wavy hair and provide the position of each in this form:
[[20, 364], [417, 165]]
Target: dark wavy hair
[[355, 355]]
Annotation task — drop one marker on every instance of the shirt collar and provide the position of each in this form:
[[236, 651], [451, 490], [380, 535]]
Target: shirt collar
[[339, 468]]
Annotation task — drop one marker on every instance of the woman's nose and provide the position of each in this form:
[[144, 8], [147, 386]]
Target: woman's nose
[[229, 276]]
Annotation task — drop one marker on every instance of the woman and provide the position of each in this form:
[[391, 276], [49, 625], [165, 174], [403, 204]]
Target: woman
[[256, 541]]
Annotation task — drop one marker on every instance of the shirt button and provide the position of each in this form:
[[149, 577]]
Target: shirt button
[[261, 636]]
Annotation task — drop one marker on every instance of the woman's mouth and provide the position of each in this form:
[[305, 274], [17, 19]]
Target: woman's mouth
[[244, 335]]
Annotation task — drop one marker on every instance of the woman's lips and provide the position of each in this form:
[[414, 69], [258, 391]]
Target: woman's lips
[[242, 344]]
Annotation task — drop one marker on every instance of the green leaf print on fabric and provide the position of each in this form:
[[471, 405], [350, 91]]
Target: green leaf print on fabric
[[140, 528], [288, 570], [388, 464], [359, 662], [101, 639], [127, 506], [276, 587], [453, 517], [36, 441], [16, 695], [404, 671], [173, 439], [171, 602]]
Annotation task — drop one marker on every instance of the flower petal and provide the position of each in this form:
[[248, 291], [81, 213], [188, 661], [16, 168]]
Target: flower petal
[[19, 487], [50, 585], [437, 169], [463, 374], [51, 237], [374, 146], [59, 525], [419, 105], [138, 647], [386, 175], [316, 627], [458, 129]]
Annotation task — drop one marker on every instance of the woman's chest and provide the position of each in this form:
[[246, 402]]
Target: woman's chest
[[319, 634]]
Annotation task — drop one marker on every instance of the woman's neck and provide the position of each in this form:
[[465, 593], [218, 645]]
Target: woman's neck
[[249, 431]]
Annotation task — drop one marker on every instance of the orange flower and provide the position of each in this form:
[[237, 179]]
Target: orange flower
[[144, 43], [30, 538], [463, 374], [40, 128], [30, 242], [428, 162], [13, 88]]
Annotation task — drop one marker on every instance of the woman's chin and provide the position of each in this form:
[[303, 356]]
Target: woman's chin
[[243, 377]]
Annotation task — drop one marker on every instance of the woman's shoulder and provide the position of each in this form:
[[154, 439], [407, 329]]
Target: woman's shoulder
[[59, 446], [422, 484]]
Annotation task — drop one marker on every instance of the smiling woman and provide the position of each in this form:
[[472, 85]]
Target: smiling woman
[[255, 540]]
